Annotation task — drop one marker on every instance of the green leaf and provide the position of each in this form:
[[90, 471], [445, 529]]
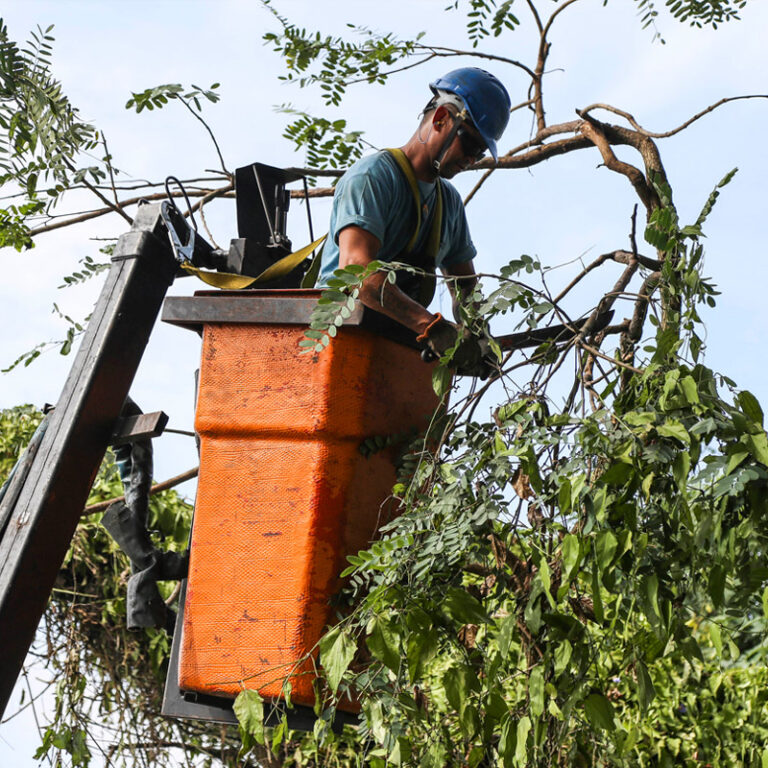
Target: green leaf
[[716, 585], [249, 709], [681, 466], [459, 682], [337, 649], [750, 407], [758, 447], [674, 429], [571, 553], [605, 547], [441, 380], [599, 712], [650, 587], [384, 644], [421, 646], [463, 607], [645, 687], [521, 747], [690, 390], [562, 657], [716, 637], [506, 633], [536, 691]]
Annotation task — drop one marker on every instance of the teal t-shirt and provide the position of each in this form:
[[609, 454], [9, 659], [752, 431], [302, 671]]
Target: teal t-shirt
[[375, 196]]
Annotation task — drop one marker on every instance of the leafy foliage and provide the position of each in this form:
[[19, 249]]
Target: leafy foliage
[[697, 13], [570, 583], [158, 96], [326, 141], [571, 587], [107, 683], [332, 63], [42, 133], [486, 17]]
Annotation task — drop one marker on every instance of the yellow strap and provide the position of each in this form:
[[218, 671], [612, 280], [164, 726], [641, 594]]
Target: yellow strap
[[428, 260], [407, 169], [433, 243], [229, 282]]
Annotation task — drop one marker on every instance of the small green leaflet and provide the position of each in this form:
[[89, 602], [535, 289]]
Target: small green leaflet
[[249, 709], [750, 407], [521, 748], [599, 712], [462, 607], [536, 691], [645, 686], [383, 644], [337, 649]]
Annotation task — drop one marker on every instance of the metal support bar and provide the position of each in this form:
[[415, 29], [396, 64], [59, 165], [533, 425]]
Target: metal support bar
[[48, 507]]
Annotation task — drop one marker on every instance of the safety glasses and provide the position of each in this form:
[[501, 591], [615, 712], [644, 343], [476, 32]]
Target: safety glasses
[[471, 144]]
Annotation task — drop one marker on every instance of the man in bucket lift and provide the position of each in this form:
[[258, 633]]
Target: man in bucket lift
[[373, 214]]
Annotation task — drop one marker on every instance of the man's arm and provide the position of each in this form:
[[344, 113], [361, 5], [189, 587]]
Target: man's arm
[[463, 284], [358, 246]]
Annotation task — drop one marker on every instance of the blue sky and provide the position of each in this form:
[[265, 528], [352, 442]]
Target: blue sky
[[566, 208]]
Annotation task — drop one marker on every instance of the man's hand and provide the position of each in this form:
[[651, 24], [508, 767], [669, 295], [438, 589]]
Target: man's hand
[[439, 336], [472, 356]]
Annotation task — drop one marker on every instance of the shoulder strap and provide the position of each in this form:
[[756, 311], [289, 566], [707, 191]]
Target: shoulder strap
[[433, 244], [405, 166]]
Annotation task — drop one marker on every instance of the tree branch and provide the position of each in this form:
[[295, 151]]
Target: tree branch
[[666, 134], [593, 131], [157, 488]]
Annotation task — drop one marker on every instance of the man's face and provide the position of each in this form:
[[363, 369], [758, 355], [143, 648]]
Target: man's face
[[466, 148]]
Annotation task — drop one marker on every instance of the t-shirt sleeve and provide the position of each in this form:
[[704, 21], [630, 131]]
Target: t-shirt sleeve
[[362, 200]]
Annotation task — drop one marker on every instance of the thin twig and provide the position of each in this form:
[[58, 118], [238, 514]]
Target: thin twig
[[612, 360], [116, 207], [480, 55], [157, 488], [210, 133], [108, 161]]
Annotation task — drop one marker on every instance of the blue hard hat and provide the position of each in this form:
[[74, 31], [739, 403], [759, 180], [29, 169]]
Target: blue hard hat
[[485, 98]]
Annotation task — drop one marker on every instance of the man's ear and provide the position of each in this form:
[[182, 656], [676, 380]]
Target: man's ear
[[441, 117]]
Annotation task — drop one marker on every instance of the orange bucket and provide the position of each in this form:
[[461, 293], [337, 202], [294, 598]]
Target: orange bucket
[[285, 494]]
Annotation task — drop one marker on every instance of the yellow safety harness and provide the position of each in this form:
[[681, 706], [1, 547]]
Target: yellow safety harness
[[426, 260]]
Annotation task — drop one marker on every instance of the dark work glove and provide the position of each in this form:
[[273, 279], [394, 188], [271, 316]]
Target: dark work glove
[[473, 355], [439, 336]]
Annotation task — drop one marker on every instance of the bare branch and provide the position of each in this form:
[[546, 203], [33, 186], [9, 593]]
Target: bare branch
[[612, 360], [666, 134], [480, 55], [157, 488], [66, 221], [559, 10], [108, 161], [593, 130], [536, 16]]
